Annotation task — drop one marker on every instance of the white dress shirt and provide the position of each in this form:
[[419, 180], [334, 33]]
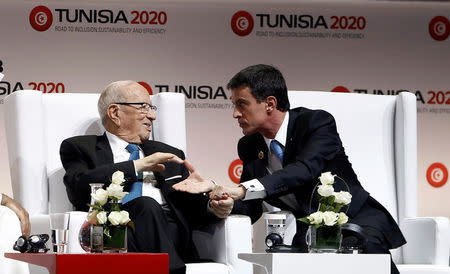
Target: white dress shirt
[[121, 154], [255, 190]]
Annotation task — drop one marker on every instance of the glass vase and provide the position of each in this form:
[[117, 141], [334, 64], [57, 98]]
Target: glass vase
[[116, 241], [89, 235], [324, 239]]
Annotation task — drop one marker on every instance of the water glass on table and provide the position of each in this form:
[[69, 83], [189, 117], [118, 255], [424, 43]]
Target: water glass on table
[[59, 224]]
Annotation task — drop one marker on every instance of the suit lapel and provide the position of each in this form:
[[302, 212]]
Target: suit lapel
[[289, 149], [149, 148], [262, 153], [104, 152]]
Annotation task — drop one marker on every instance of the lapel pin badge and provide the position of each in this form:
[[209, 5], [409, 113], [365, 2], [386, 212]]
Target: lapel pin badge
[[261, 155]]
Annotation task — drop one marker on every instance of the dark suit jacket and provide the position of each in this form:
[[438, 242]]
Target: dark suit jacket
[[312, 146], [89, 159]]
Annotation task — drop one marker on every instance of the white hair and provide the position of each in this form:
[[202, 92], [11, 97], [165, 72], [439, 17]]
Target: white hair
[[114, 92]]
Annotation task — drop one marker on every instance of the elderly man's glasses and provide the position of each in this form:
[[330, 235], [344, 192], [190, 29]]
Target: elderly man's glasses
[[142, 107]]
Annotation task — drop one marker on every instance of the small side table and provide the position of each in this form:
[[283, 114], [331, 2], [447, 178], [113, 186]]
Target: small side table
[[99, 263], [323, 263]]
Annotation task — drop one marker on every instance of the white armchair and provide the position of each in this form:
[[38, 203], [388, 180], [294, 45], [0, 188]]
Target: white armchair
[[379, 134], [37, 123]]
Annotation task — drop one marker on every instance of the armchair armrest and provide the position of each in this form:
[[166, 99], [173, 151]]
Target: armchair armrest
[[428, 240], [223, 241]]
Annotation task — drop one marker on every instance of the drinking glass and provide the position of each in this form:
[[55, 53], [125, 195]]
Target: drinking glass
[[59, 224]]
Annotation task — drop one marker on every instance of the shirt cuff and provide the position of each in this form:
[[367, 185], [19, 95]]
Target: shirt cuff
[[255, 190]]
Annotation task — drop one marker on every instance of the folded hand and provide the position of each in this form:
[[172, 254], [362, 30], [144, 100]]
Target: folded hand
[[222, 208]]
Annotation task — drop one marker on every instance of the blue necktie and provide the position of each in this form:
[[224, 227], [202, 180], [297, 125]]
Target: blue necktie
[[277, 148], [136, 187]]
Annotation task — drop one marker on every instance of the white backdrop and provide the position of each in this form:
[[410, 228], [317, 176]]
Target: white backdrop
[[379, 47]]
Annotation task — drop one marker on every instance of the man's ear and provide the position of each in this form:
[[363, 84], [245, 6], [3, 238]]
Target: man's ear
[[271, 103], [113, 113]]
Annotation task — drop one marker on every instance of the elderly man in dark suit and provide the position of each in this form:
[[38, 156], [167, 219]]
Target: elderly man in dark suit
[[163, 217], [284, 152]]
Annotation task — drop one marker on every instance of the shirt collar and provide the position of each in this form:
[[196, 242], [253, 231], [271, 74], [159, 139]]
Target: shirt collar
[[282, 132], [116, 143]]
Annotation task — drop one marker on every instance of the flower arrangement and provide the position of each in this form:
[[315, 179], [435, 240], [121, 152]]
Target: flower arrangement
[[331, 203], [112, 217]]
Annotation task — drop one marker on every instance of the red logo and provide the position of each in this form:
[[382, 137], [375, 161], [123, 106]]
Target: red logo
[[437, 175], [242, 23], [41, 18], [340, 89], [439, 28], [147, 87], [235, 171]]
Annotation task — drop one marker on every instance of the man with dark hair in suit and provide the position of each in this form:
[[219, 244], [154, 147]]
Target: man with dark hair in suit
[[284, 152], [163, 217]]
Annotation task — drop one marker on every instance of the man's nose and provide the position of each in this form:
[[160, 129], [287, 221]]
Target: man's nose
[[151, 115], [236, 113]]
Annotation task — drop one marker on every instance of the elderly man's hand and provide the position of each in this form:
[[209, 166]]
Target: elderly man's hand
[[195, 183], [155, 161], [21, 213], [234, 192], [222, 208]]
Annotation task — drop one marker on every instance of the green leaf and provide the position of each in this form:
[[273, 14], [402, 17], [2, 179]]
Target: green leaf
[[115, 207], [330, 200], [96, 207], [304, 219], [106, 231], [131, 225]]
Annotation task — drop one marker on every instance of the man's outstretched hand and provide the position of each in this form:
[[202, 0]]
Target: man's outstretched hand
[[195, 183], [154, 162]]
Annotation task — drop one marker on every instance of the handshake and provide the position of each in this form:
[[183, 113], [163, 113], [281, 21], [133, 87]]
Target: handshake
[[221, 197]]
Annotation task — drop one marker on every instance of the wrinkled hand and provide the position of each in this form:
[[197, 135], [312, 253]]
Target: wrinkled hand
[[221, 208], [154, 161], [21, 213], [195, 183], [221, 192]]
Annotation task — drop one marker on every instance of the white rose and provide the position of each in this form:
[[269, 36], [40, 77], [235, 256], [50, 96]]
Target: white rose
[[327, 178], [342, 218], [342, 197], [115, 190], [124, 217], [100, 196], [101, 217], [118, 178], [325, 190], [330, 218], [114, 217], [315, 218]]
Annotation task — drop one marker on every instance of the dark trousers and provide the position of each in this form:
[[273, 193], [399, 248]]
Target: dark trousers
[[156, 231]]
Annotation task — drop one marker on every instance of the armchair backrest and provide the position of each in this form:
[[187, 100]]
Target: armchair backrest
[[37, 123], [379, 134]]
